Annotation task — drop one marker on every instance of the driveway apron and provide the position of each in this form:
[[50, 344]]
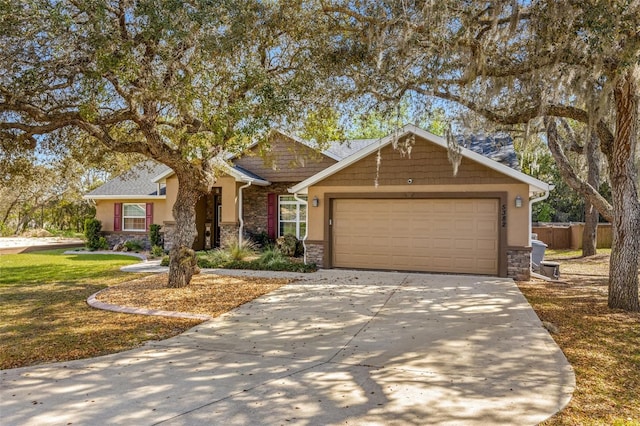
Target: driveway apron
[[337, 347]]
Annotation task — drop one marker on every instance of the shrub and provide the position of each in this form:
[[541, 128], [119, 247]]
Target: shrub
[[134, 245], [262, 240], [155, 238], [103, 244], [287, 266], [157, 251], [239, 251], [272, 256], [92, 229], [271, 260], [5, 231], [289, 245], [213, 259], [165, 261]]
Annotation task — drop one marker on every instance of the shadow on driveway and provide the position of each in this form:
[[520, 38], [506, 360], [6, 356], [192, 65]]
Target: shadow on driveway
[[337, 347]]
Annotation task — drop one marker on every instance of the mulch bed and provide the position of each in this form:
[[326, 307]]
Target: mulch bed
[[206, 294]]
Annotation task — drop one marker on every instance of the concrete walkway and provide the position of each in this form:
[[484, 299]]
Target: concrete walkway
[[340, 347]]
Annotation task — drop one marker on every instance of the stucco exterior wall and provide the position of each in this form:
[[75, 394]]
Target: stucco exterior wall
[[229, 199], [172, 193], [105, 208]]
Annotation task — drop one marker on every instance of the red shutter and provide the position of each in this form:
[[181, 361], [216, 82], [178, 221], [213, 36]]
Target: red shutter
[[271, 215], [149, 215], [117, 217]]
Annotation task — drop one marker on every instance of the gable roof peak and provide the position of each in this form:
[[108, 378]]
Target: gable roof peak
[[535, 185]]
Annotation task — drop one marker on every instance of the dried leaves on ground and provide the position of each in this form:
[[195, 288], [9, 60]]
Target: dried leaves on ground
[[206, 294], [44, 316], [602, 345]]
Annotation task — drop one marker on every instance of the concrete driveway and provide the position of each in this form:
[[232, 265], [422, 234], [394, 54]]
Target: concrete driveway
[[339, 347]]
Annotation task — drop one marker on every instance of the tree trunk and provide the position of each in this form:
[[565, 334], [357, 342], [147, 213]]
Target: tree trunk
[[182, 258], [623, 272], [590, 232]]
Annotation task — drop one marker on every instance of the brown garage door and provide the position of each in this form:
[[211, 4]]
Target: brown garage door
[[435, 235]]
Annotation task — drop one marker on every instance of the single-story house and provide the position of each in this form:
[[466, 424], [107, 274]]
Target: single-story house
[[389, 204]]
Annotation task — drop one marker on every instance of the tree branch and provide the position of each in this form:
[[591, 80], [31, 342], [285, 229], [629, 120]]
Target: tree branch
[[570, 176]]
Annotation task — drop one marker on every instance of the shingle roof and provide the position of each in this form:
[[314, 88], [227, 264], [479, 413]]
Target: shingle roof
[[247, 173], [480, 143], [497, 147], [342, 149], [137, 181]]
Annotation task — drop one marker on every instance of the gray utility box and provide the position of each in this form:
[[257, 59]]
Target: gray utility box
[[550, 269], [537, 254]]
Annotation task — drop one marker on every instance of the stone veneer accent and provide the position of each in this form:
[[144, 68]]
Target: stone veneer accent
[[115, 238], [254, 209], [255, 205], [519, 263], [315, 253], [228, 234]]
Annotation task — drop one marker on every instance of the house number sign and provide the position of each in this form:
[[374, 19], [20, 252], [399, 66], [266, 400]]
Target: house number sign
[[504, 215]]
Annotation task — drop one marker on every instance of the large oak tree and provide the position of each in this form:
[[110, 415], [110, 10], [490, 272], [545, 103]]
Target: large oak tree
[[515, 62], [182, 82]]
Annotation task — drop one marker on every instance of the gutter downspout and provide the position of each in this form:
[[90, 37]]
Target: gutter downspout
[[531, 203], [306, 228], [240, 212]]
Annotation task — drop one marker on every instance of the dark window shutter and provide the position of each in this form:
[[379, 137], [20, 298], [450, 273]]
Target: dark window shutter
[[117, 217], [149, 215], [271, 215]]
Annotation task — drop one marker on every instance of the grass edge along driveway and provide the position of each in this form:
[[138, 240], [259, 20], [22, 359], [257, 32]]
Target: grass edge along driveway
[[44, 316]]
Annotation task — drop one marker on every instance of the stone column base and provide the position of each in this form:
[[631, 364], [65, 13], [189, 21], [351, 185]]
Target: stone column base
[[228, 234], [519, 263], [315, 252]]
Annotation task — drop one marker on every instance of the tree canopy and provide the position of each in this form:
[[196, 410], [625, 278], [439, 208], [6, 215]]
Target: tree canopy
[[179, 82], [515, 63]]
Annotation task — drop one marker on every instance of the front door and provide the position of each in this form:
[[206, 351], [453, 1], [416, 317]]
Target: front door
[[217, 216]]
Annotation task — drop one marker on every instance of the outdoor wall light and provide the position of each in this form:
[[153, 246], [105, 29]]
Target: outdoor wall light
[[315, 202], [518, 201]]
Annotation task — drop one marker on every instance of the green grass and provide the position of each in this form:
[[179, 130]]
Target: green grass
[[566, 254], [44, 316], [66, 233], [53, 265]]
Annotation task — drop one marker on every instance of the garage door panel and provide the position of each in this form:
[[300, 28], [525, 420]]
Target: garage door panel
[[437, 235], [488, 208], [462, 245], [489, 245]]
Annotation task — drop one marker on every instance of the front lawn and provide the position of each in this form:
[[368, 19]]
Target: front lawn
[[602, 345], [44, 316]]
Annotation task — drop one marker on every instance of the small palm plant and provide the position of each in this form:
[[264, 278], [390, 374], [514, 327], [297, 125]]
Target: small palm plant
[[241, 251]]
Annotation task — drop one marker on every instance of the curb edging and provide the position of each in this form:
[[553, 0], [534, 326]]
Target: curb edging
[[95, 303]]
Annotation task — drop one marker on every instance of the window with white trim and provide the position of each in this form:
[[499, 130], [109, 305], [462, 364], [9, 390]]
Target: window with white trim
[[134, 217], [292, 216]]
